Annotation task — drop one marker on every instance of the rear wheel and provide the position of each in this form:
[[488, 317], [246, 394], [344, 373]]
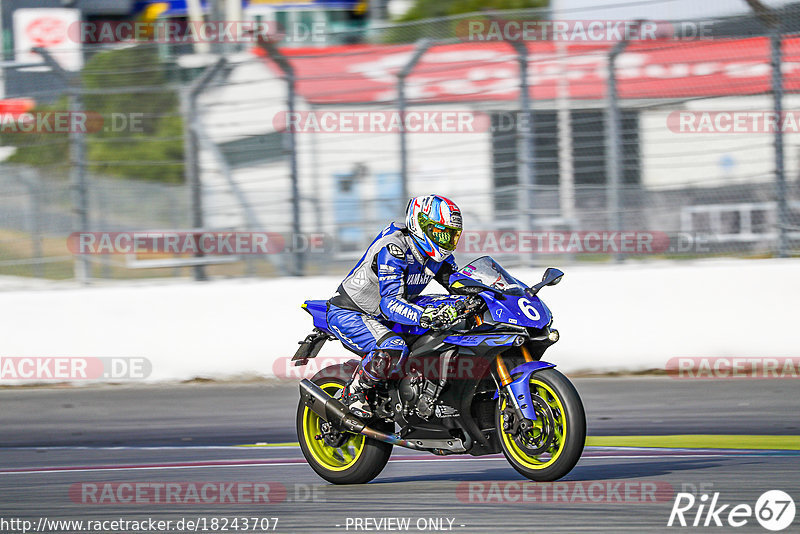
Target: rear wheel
[[551, 448], [338, 457]]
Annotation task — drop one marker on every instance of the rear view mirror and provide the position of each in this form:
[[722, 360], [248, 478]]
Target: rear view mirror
[[552, 276]]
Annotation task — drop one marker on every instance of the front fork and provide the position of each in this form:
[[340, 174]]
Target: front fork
[[516, 399]]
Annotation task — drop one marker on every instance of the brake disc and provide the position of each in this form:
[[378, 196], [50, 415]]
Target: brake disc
[[537, 440]]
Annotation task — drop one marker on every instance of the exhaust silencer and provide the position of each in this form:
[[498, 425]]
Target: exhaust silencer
[[333, 411], [327, 407]]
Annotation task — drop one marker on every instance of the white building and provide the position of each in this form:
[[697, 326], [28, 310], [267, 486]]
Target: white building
[[354, 178]]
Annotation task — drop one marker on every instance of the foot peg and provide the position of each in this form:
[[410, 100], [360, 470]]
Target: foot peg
[[355, 395]]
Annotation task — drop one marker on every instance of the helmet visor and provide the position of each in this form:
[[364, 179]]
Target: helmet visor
[[443, 235]]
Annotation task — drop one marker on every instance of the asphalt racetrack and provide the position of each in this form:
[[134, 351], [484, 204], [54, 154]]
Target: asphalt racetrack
[[82, 454]]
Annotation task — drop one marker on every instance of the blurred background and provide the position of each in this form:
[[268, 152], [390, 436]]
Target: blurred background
[[190, 140], [579, 135]]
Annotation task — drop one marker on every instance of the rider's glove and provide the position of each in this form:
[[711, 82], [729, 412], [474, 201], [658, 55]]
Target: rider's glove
[[447, 315], [439, 317], [428, 317]]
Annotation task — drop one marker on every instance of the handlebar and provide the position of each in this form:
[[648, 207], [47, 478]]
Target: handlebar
[[464, 308]]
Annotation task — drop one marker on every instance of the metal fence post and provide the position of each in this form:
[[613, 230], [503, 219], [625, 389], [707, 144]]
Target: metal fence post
[[33, 185], [566, 174], [299, 256], [780, 171], [78, 161], [528, 170], [315, 181], [77, 156], [614, 169], [191, 173], [288, 73], [191, 148], [771, 20], [422, 46]]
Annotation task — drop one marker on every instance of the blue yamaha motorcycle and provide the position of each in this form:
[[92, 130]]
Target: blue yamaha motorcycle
[[479, 387]]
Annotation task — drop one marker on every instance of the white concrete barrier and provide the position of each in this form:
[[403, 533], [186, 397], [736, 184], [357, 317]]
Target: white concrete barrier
[[629, 317]]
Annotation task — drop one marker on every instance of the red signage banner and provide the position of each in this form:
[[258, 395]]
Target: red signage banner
[[487, 71]]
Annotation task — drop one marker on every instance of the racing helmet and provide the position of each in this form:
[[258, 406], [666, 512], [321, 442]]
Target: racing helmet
[[434, 224]]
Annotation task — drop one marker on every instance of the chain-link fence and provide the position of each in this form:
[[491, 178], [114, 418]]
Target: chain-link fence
[[95, 149], [561, 139]]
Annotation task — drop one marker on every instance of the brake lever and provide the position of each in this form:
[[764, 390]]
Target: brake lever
[[473, 303], [465, 308]]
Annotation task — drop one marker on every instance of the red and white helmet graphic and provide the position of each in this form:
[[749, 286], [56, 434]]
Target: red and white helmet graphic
[[434, 223]]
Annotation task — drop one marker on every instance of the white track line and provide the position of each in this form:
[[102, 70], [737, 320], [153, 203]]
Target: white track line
[[71, 469]]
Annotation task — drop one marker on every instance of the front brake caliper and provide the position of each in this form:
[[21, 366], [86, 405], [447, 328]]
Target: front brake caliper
[[510, 420]]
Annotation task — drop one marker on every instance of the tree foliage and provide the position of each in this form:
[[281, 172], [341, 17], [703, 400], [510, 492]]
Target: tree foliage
[[141, 132], [423, 10]]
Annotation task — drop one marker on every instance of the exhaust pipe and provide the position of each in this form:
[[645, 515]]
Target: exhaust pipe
[[333, 411]]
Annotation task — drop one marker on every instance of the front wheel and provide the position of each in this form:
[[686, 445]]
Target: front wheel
[[338, 457], [551, 448]]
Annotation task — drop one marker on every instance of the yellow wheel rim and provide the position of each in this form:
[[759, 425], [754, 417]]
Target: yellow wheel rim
[[331, 458], [559, 428]]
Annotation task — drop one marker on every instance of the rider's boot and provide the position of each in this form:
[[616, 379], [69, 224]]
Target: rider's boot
[[355, 394]]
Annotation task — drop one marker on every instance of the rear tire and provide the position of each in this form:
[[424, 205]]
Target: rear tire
[[359, 459], [569, 424]]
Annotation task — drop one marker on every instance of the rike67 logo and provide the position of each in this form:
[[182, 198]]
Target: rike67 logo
[[774, 510]]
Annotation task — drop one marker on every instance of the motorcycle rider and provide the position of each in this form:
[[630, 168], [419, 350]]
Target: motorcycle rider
[[397, 266]]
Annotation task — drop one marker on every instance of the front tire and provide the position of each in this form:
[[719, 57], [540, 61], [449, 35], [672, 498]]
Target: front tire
[[354, 459], [561, 416]]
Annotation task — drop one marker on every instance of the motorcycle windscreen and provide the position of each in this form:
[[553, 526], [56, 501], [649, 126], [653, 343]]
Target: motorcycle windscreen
[[490, 273]]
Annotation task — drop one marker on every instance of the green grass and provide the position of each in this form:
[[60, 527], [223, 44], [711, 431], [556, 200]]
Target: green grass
[[699, 441]]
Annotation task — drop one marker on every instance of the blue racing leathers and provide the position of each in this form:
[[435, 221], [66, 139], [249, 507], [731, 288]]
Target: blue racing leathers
[[382, 286]]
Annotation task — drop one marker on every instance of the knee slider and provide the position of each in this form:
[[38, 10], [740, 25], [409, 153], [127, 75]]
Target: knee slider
[[382, 362], [394, 344]]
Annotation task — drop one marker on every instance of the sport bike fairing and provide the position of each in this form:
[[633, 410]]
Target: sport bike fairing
[[504, 295]]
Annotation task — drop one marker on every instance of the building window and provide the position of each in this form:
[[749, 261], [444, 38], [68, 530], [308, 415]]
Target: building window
[[588, 151]]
